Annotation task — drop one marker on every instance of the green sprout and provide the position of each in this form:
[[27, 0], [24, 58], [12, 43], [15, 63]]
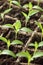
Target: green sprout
[[35, 55], [40, 26], [30, 13], [9, 43], [36, 45], [5, 12], [30, 57], [16, 27]]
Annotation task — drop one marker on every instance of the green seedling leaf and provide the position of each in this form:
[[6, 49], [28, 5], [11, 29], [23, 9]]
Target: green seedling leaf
[[7, 26], [38, 8], [26, 55], [39, 25], [3, 39], [23, 54], [15, 42], [41, 44], [7, 11], [17, 25], [16, 3], [32, 12], [26, 6], [31, 44], [30, 5], [38, 54], [26, 29], [25, 15], [8, 52]]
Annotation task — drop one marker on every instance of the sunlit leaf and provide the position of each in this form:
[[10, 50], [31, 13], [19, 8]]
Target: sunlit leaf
[[31, 44], [8, 52], [39, 24], [7, 11], [14, 42], [26, 29], [25, 15], [38, 54], [17, 25], [30, 5], [3, 39], [24, 54], [7, 26], [38, 8], [32, 12], [16, 3], [41, 44], [25, 6]]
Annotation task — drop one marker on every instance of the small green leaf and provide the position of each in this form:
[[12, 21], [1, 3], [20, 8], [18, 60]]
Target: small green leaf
[[7, 11], [30, 5], [39, 25], [7, 26], [32, 12], [38, 8], [16, 3], [8, 52], [14, 42], [26, 29], [31, 44], [3, 39], [17, 25], [38, 54], [25, 15], [24, 54], [41, 44], [26, 6]]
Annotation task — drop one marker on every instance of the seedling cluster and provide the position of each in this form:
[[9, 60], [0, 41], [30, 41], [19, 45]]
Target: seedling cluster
[[16, 27]]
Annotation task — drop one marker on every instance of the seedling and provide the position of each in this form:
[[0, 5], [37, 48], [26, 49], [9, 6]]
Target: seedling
[[27, 16], [30, 13], [40, 26], [9, 43], [5, 12], [16, 27], [30, 57], [36, 45], [17, 3], [8, 52]]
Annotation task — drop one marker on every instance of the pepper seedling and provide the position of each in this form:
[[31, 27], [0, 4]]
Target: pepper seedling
[[16, 27], [40, 26], [30, 57], [5, 12], [17, 3], [9, 43], [30, 13], [36, 45]]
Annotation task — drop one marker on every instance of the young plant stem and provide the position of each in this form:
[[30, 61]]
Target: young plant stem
[[38, 2], [15, 36], [28, 62], [26, 24]]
